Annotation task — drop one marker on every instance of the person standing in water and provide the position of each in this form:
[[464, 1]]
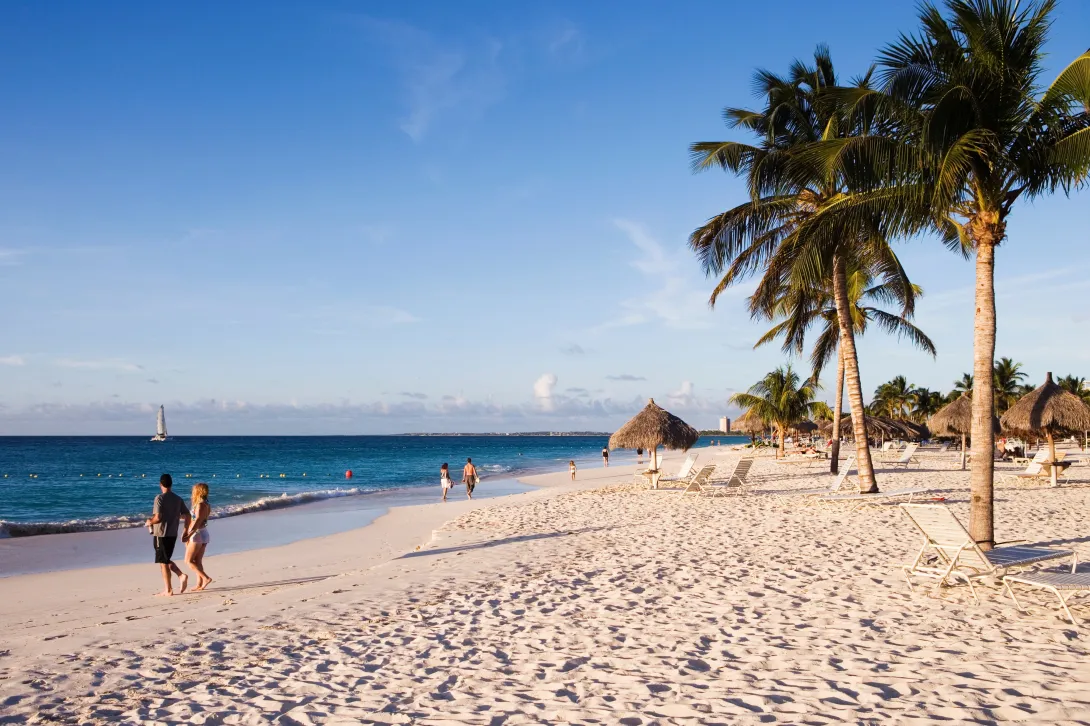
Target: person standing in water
[[605, 456], [196, 535], [445, 480], [571, 468], [469, 477], [163, 525]]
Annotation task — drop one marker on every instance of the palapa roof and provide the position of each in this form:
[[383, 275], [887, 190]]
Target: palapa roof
[[1047, 409], [653, 427], [747, 423], [882, 426], [956, 418], [805, 427]]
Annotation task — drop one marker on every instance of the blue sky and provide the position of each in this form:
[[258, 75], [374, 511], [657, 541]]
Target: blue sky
[[342, 217]]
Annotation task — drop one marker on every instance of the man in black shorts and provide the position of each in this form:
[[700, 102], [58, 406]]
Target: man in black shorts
[[168, 509]]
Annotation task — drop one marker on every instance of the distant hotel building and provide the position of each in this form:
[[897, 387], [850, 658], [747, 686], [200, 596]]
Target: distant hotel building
[[724, 424]]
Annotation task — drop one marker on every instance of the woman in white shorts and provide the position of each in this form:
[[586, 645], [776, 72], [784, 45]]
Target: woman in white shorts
[[445, 480], [197, 537]]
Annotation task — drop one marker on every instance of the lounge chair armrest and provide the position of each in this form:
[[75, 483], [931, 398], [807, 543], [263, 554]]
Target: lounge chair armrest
[[1011, 541]]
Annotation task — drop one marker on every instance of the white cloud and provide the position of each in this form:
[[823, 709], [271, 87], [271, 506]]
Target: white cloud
[[669, 294], [441, 81], [625, 377], [544, 387], [111, 364], [13, 360]]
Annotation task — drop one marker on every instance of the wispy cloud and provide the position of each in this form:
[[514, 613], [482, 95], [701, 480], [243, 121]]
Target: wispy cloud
[[567, 44], [347, 318], [111, 364], [625, 377], [10, 256], [669, 294], [573, 349], [442, 80], [13, 360], [414, 394]]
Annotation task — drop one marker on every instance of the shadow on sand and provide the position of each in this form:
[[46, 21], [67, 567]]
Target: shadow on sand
[[501, 542]]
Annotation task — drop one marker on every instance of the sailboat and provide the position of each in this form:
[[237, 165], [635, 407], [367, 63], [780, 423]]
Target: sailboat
[[160, 426]]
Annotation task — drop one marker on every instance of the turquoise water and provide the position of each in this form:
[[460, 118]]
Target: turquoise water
[[70, 484]]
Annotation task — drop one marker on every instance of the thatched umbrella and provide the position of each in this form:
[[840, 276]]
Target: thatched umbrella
[[1050, 410], [875, 425], [911, 429], [956, 419], [805, 427], [747, 423], [653, 427]]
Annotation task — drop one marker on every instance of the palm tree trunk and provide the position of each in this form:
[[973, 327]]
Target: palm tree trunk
[[1052, 458], [867, 483], [783, 433], [981, 513], [834, 464]]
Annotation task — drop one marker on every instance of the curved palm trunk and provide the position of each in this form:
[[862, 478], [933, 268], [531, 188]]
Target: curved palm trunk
[[867, 483], [834, 453], [981, 527], [783, 447]]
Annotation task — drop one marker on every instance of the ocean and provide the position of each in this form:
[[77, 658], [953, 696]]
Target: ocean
[[75, 484]]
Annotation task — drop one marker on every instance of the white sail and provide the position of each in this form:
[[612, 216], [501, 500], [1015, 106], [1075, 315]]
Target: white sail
[[161, 423]]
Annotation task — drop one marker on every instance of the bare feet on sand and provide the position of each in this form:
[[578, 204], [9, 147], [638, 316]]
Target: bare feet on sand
[[164, 593], [184, 579], [201, 585]]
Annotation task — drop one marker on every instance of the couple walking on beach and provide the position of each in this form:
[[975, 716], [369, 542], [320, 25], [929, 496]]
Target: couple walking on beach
[[469, 477], [167, 513]]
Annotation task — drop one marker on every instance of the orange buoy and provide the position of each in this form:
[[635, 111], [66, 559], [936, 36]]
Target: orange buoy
[[348, 474]]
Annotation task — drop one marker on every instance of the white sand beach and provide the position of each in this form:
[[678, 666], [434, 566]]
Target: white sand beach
[[592, 602]]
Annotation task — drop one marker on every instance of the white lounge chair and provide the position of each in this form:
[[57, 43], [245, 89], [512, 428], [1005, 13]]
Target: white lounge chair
[[881, 497], [838, 481], [737, 478], [699, 483], [1036, 468], [959, 557], [1055, 582], [907, 456], [685, 472]]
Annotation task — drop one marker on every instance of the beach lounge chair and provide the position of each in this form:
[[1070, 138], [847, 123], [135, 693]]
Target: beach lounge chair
[[1036, 468], [685, 472], [950, 554], [699, 483], [737, 478], [1055, 582], [838, 481], [881, 497], [907, 456]]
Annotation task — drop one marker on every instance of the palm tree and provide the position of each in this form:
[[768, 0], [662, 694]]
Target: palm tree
[[779, 399], [802, 307], [964, 95], [964, 384], [893, 398], [1076, 385], [1008, 375], [788, 186], [925, 404]]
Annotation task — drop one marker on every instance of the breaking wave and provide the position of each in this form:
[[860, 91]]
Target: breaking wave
[[94, 524]]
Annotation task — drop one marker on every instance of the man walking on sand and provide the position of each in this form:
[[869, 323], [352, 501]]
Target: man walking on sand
[[470, 477], [163, 525]]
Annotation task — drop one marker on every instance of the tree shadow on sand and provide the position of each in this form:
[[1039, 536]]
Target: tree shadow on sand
[[501, 542]]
